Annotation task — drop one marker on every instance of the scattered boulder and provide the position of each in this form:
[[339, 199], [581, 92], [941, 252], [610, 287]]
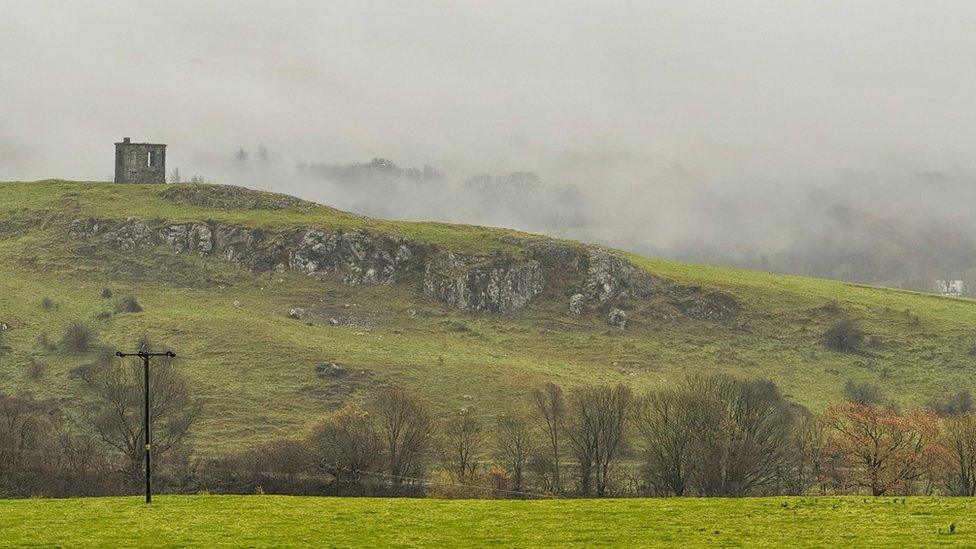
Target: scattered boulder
[[297, 313], [237, 303], [4, 327], [329, 369], [576, 302], [617, 318], [467, 397]]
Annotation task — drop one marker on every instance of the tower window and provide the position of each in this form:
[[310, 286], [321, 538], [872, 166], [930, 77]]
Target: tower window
[[151, 158]]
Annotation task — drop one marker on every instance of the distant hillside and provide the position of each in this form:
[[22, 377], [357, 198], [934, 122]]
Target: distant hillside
[[282, 310]]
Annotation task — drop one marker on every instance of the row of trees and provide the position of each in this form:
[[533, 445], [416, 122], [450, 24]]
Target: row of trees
[[98, 449], [708, 435]]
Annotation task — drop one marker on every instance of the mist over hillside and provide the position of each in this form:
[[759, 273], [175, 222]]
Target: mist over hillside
[[832, 140], [905, 231]]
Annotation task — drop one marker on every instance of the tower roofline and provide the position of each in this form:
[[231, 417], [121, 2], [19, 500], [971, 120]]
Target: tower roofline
[[131, 143]]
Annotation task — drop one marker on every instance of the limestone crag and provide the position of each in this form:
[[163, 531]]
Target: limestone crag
[[498, 283]]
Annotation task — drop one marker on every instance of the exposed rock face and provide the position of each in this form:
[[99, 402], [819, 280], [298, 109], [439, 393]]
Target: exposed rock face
[[489, 285], [576, 302], [617, 318], [497, 283], [296, 313], [609, 276], [360, 256]]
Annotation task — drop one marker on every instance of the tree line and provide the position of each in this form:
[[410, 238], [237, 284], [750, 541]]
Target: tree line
[[706, 435]]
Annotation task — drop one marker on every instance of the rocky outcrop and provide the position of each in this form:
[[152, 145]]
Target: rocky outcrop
[[609, 277], [497, 283], [362, 258], [617, 318], [697, 303], [359, 257], [576, 303], [488, 285]]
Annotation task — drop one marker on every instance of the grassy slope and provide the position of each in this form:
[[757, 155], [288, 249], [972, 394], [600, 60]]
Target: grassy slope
[[253, 366], [265, 521]]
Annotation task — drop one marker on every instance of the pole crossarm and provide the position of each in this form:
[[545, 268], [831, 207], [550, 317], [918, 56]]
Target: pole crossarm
[[145, 356], [170, 354]]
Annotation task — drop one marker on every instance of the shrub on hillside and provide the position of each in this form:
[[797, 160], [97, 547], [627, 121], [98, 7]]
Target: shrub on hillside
[[106, 293], [863, 392], [84, 372], [35, 370], [128, 304], [78, 337], [955, 404], [44, 341], [844, 336], [47, 303]]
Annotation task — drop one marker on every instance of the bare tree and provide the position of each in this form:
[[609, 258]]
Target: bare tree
[[667, 422], [959, 440], [116, 415], [596, 422], [346, 445], [551, 409], [513, 441], [28, 430], [746, 431], [804, 453], [463, 443], [405, 429]]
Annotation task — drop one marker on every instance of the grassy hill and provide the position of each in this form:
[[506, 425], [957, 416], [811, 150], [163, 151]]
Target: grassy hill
[[254, 367], [281, 521]]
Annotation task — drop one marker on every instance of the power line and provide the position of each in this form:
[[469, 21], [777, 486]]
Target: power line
[[470, 486]]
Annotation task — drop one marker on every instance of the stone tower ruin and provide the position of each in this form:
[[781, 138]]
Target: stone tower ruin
[[140, 162]]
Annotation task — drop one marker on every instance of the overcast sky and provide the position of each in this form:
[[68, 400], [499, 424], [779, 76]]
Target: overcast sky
[[656, 102]]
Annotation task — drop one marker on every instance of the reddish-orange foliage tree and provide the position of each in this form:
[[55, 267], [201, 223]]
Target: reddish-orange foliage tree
[[883, 450]]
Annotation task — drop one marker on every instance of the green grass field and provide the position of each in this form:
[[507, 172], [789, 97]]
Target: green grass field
[[253, 367], [277, 521]]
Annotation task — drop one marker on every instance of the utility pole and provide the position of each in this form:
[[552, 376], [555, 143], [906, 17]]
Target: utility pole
[[145, 355]]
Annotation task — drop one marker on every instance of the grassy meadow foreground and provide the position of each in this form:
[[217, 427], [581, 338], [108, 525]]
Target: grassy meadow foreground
[[255, 521]]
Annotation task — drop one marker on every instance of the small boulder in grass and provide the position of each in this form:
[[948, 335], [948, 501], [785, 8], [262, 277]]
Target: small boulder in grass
[[329, 369], [576, 303], [296, 313], [617, 318]]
